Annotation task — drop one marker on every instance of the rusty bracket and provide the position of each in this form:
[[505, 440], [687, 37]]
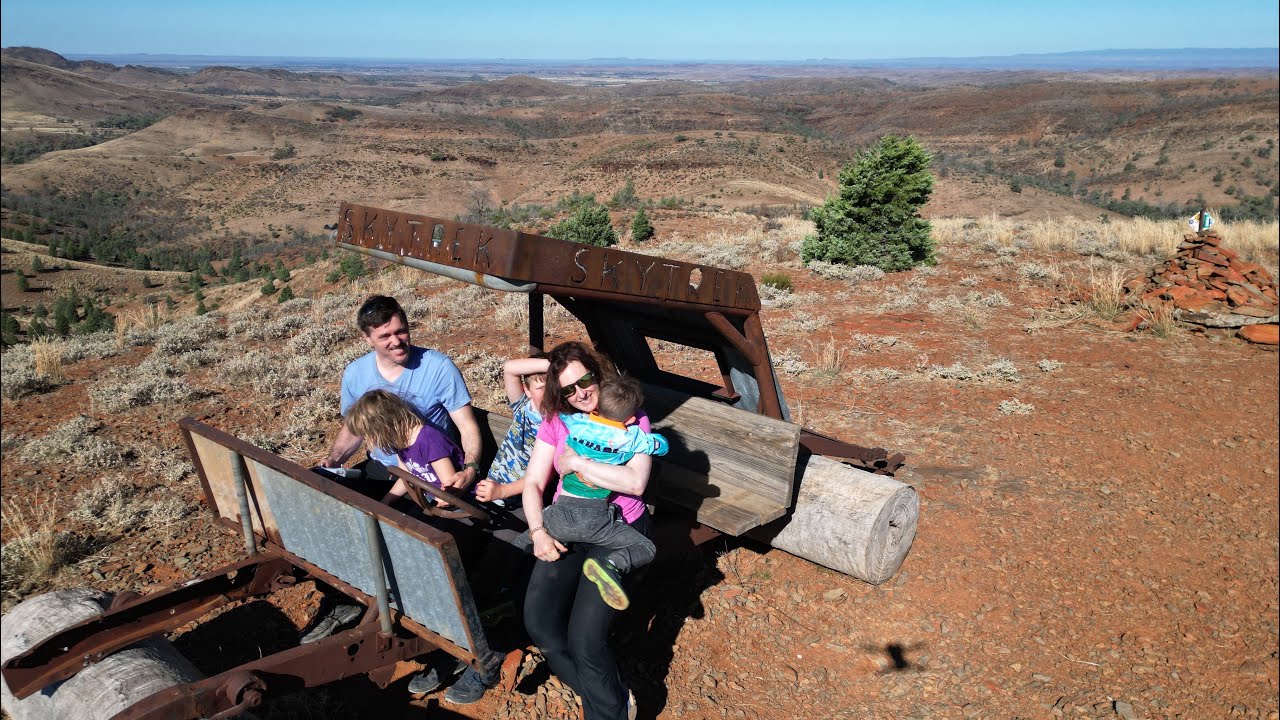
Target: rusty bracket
[[69, 651], [874, 460], [354, 652]]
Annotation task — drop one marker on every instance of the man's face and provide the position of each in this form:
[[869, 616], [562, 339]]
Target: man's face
[[390, 341]]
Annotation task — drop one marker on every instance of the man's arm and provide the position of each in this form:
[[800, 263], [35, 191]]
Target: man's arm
[[465, 420], [344, 447]]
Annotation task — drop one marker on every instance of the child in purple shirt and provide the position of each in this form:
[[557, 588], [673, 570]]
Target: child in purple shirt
[[388, 423]]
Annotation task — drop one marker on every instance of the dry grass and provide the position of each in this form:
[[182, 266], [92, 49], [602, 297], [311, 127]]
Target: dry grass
[[1160, 319], [46, 355], [36, 551], [31, 523], [1106, 292], [830, 358], [1255, 241]]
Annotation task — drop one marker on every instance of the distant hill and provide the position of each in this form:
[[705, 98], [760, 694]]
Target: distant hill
[[1155, 59]]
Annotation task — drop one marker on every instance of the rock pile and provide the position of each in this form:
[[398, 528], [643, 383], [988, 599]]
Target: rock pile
[[1210, 285]]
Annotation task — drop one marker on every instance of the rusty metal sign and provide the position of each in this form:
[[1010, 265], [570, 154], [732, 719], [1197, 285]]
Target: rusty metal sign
[[555, 266]]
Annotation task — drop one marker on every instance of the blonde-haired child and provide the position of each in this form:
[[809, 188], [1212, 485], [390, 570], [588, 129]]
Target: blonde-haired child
[[387, 422]]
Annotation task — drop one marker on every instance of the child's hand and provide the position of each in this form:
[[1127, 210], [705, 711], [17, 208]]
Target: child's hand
[[488, 491]]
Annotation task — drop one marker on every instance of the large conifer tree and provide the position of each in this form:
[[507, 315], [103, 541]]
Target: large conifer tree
[[875, 218]]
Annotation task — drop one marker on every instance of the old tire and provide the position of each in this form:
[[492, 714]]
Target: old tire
[[101, 690]]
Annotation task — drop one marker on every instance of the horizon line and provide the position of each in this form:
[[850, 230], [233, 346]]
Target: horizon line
[[624, 59]]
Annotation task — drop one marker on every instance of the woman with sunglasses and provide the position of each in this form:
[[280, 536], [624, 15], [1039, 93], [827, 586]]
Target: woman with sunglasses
[[563, 610]]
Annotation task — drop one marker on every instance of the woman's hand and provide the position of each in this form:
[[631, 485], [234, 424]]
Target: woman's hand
[[546, 547], [568, 461]]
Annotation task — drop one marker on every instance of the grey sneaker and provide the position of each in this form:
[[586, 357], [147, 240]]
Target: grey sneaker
[[424, 682], [429, 680], [469, 688], [331, 622]]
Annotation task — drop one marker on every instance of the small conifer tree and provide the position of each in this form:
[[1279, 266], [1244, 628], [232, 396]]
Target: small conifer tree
[[285, 295], [641, 228], [875, 217], [9, 330], [589, 225]]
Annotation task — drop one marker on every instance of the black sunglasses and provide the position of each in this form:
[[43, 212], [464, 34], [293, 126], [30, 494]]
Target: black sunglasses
[[583, 382]]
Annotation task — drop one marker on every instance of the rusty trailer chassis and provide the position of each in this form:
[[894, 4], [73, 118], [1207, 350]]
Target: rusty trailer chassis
[[384, 637]]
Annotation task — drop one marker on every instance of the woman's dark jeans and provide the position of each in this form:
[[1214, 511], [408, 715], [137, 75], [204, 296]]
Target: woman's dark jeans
[[569, 622]]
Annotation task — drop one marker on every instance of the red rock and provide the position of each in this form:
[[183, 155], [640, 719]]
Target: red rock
[[1196, 303], [1228, 253], [1232, 276], [1237, 296], [1211, 256], [1176, 293], [1261, 334], [1254, 311], [1215, 293]]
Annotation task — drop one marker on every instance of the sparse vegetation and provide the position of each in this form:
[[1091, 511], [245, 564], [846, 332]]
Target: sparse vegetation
[[778, 281]]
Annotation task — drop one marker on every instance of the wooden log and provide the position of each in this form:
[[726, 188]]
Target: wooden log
[[849, 520], [101, 690]]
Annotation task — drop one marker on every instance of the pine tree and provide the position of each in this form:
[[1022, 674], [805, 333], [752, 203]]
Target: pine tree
[[23, 284], [37, 329], [9, 329], [285, 295], [641, 228], [589, 225], [875, 217]]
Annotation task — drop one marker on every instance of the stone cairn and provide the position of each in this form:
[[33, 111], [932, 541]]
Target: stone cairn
[[1209, 285]]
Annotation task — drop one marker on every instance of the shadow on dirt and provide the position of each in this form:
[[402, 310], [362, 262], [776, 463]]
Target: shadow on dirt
[[665, 596]]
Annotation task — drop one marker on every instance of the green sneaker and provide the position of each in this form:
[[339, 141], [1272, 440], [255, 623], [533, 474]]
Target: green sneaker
[[609, 580]]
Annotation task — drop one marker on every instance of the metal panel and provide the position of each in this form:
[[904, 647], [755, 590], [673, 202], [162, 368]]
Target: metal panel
[[331, 534]]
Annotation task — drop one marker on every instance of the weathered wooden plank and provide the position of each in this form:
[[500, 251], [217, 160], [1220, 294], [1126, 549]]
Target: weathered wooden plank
[[730, 447]]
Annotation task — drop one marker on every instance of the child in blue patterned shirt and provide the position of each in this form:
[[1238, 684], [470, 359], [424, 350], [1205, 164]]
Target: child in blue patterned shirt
[[524, 379]]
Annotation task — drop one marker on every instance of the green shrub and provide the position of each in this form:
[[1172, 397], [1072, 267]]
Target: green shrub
[[285, 295], [285, 152], [353, 266], [875, 218], [269, 287], [342, 113], [641, 228], [778, 281], [589, 225]]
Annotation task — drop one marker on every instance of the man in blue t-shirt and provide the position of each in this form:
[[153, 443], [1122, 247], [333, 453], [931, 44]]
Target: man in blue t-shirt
[[426, 379]]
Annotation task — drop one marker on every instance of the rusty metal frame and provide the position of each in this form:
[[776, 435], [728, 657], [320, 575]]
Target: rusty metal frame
[[86, 643], [372, 648], [363, 649]]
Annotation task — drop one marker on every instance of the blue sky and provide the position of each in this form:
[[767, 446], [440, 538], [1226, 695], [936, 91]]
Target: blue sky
[[662, 29]]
